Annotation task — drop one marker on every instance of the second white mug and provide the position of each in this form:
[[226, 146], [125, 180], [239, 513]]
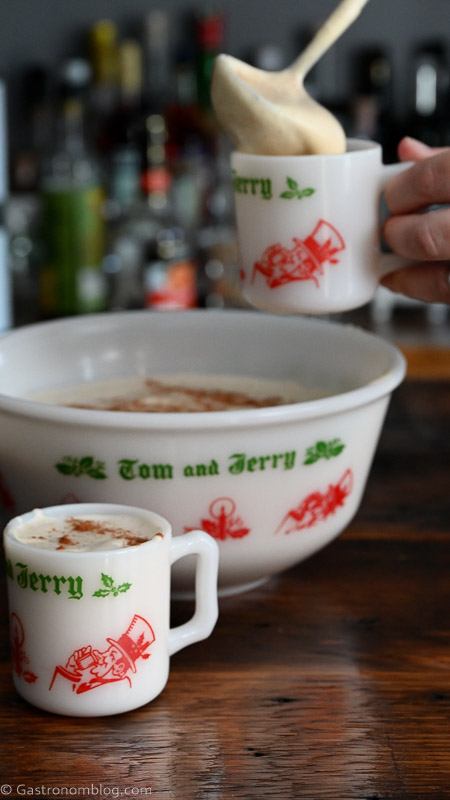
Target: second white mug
[[90, 633], [309, 228]]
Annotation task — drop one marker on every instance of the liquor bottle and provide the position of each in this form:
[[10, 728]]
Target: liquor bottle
[[188, 158], [125, 122], [216, 237], [170, 271], [5, 276], [124, 125], [372, 114], [129, 227], [130, 74], [209, 38], [182, 112], [157, 62], [138, 213], [71, 279], [209, 42], [104, 95], [38, 121], [430, 85]]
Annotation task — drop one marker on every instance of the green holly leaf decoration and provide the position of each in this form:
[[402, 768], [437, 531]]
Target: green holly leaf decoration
[[66, 466], [86, 462], [294, 190], [325, 450], [97, 472], [335, 447], [110, 587], [86, 465]]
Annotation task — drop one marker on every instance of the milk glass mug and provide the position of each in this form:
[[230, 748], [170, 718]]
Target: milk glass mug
[[90, 631], [309, 228]]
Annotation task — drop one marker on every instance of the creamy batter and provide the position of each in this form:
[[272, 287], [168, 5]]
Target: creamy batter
[[270, 113]]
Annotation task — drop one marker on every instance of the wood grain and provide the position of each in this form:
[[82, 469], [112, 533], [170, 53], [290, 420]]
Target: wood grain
[[331, 681], [427, 362]]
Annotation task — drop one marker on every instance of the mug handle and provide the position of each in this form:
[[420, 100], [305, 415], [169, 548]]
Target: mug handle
[[389, 261], [206, 606]]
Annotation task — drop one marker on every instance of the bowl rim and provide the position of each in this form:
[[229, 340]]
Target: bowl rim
[[207, 420]]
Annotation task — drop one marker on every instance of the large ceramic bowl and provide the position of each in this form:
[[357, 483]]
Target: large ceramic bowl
[[273, 485]]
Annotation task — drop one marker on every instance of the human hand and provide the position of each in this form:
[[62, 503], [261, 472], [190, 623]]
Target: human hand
[[422, 237]]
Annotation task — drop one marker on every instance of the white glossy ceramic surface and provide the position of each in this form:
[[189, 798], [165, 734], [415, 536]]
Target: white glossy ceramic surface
[[308, 228], [272, 485], [90, 631]]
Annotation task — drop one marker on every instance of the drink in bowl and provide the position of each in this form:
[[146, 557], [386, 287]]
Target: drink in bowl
[[258, 429]]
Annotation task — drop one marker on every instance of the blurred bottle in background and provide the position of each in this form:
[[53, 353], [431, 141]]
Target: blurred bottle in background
[[71, 279], [371, 108], [139, 200], [104, 89], [5, 275], [124, 160], [216, 237], [37, 98], [209, 42], [430, 78], [23, 219], [158, 86], [209, 38], [125, 122], [170, 270], [134, 197]]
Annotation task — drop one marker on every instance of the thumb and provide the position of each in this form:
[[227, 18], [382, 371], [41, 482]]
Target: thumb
[[410, 149]]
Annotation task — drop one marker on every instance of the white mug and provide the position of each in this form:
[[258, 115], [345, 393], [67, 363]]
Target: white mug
[[309, 228], [90, 631]]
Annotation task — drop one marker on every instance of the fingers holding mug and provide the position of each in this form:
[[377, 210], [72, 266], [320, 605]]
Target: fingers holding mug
[[424, 238], [426, 183], [424, 281]]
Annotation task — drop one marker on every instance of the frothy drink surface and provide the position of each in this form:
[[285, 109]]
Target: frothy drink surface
[[84, 533], [182, 393]]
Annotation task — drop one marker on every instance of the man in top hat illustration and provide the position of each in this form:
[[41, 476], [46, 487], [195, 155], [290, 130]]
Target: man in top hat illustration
[[302, 262], [88, 668]]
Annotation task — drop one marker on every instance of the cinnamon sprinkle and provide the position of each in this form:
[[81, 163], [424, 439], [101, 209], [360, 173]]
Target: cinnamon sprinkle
[[64, 541], [77, 525], [182, 399]]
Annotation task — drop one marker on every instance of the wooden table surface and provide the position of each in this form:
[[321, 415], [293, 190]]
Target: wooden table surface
[[331, 681]]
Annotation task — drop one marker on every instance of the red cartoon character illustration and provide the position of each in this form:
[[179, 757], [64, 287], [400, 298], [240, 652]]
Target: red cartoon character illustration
[[88, 668], [304, 261], [318, 506], [223, 523], [18, 654]]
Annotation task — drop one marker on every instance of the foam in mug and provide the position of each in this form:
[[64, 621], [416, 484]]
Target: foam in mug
[[84, 533]]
